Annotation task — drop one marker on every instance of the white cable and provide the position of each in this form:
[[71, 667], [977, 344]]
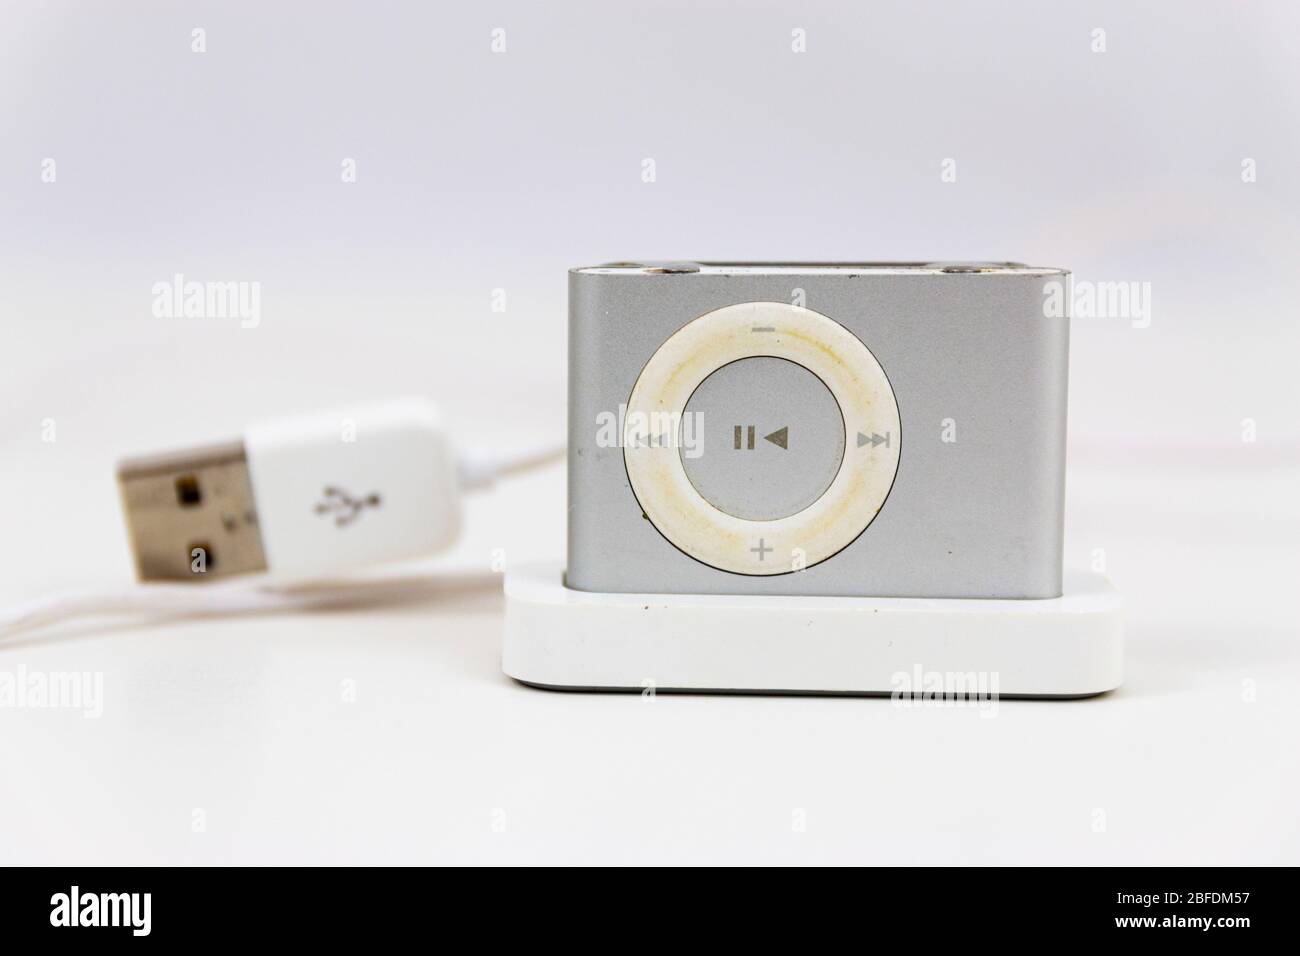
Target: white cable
[[234, 597], [141, 599], [479, 471]]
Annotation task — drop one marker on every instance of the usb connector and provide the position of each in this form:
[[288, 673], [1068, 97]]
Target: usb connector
[[191, 515], [299, 498], [302, 500]]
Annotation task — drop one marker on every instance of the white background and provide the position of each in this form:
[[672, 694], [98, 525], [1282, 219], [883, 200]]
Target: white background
[[478, 171]]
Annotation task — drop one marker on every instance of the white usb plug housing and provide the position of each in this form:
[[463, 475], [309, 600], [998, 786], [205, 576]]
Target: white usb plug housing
[[299, 498]]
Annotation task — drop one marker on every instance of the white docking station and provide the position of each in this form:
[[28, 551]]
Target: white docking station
[[562, 639]]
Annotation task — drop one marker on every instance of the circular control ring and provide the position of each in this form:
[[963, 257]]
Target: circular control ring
[[654, 431]]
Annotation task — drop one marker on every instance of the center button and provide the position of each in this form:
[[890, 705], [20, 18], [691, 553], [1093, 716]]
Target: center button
[[767, 438]]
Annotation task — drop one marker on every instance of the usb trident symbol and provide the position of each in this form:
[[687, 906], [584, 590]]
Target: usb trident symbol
[[343, 506]]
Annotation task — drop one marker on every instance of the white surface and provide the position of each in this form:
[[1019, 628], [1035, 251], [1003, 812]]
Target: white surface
[[396, 450], [697, 350], [226, 166], [973, 651], [1191, 761]]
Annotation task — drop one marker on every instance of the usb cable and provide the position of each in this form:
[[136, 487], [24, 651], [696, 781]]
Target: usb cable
[[292, 504]]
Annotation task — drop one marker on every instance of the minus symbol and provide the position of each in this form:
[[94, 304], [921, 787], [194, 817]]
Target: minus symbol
[[763, 328]]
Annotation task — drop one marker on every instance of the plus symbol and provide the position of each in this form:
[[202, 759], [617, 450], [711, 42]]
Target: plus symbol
[[762, 549]]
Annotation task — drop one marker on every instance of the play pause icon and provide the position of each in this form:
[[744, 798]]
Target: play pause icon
[[743, 437]]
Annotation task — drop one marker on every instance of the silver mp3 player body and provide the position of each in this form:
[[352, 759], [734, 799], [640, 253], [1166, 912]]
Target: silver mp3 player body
[[852, 429]]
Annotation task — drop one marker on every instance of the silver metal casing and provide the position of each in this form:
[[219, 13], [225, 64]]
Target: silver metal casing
[[978, 368]]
